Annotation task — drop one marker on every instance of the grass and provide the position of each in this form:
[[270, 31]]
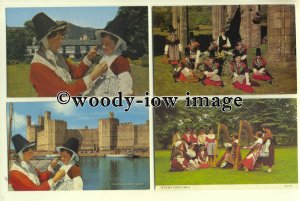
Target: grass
[[284, 82], [285, 171], [18, 84]]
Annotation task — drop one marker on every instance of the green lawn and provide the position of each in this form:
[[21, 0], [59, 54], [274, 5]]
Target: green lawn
[[18, 84], [284, 82], [285, 171]]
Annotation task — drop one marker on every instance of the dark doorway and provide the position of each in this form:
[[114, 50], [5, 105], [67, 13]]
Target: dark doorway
[[233, 31]]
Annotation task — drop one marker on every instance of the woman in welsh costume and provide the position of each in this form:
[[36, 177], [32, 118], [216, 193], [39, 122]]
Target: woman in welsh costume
[[240, 72], [23, 176], [69, 158], [211, 69], [173, 47], [249, 162], [178, 162], [259, 68], [50, 73], [118, 77], [267, 153]]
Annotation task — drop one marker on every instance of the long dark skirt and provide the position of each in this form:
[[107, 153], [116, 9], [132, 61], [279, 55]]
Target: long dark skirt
[[268, 161]]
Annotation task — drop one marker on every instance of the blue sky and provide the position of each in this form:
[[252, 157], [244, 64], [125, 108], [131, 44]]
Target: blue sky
[[94, 17], [75, 117]]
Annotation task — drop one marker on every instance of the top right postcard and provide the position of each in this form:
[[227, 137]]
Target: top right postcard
[[224, 50]]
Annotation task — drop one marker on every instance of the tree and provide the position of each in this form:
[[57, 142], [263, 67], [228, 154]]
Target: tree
[[30, 31], [132, 22], [16, 43], [280, 114]]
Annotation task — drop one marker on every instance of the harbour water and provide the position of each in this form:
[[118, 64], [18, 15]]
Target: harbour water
[[104, 173]]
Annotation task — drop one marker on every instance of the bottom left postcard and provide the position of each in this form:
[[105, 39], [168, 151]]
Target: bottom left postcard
[[63, 147]]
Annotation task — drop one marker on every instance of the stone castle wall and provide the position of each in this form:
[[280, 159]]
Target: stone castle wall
[[109, 135], [142, 136], [125, 138]]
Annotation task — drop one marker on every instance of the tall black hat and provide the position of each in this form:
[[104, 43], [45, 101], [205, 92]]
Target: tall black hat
[[44, 25], [258, 52], [20, 143], [211, 54], [236, 53], [192, 36], [72, 145], [171, 29]]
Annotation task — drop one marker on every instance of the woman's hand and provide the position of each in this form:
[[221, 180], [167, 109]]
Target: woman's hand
[[54, 163], [99, 70], [92, 53], [59, 175]]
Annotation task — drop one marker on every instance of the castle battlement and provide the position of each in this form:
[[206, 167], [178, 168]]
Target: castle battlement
[[109, 135]]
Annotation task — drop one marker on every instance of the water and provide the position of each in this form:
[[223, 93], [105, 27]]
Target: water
[[101, 173]]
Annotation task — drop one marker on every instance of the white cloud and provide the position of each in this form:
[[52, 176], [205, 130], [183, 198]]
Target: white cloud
[[67, 109], [19, 121]]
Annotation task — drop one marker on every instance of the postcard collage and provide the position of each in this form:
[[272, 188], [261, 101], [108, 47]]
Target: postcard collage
[[166, 101]]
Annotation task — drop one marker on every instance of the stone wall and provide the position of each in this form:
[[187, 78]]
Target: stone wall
[[142, 136], [281, 33], [125, 139], [249, 31], [88, 138]]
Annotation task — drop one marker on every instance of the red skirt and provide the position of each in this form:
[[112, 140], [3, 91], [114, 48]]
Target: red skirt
[[208, 81], [249, 163], [174, 62], [261, 77], [182, 78], [244, 87], [204, 165]]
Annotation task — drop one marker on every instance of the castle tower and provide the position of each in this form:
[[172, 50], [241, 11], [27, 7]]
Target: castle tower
[[53, 134], [107, 129], [28, 118], [30, 131], [41, 121]]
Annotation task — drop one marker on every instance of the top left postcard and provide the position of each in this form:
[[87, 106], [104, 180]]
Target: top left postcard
[[89, 51]]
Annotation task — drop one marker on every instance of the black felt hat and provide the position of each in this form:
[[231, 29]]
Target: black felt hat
[[258, 52], [72, 145], [236, 53], [212, 54], [20, 143], [44, 25]]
